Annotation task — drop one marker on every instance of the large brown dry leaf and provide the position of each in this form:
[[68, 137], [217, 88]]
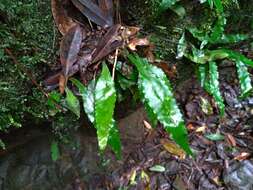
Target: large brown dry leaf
[[61, 18], [70, 47], [107, 7], [93, 12], [110, 42]]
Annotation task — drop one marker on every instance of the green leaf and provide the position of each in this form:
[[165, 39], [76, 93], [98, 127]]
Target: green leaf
[[244, 78], [231, 38], [237, 56], [181, 47], [214, 87], [157, 168], [217, 30], [218, 5], [114, 141], [215, 137], [55, 153], [72, 102], [202, 72], [178, 9], [88, 96], [158, 95], [105, 98], [165, 4]]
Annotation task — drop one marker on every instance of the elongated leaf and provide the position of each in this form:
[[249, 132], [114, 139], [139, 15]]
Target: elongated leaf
[[107, 7], [215, 137], [70, 47], [108, 43], [202, 73], [105, 98], [214, 87], [218, 5], [181, 47], [61, 18], [93, 12], [72, 102], [244, 78], [114, 140], [231, 38], [158, 95], [237, 56], [88, 96], [218, 30]]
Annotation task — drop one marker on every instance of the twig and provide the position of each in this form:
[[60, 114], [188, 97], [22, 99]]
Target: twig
[[115, 63]]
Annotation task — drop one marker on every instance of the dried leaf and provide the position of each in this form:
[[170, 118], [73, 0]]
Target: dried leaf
[[242, 156], [62, 83], [70, 47], [230, 139], [173, 148], [109, 43], [61, 18], [93, 12], [138, 42], [201, 129], [107, 7], [147, 125]]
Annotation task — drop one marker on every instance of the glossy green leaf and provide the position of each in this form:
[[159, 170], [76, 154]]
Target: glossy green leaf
[[158, 95], [87, 94], [55, 153], [181, 47], [202, 72], [205, 56], [198, 34], [88, 97], [214, 87], [105, 98], [72, 102], [215, 137], [231, 38], [114, 141], [217, 30], [244, 78], [237, 56]]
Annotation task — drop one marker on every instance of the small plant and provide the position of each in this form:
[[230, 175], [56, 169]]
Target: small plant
[[99, 92], [206, 57]]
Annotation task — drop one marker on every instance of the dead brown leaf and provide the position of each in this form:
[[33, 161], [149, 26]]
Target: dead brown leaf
[[230, 139], [61, 18], [173, 148], [70, 47], [242, 156]]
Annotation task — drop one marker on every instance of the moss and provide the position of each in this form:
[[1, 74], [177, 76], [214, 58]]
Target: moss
[[27, 29]]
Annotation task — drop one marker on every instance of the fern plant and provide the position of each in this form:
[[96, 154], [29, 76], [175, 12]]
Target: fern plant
[[206, 59]]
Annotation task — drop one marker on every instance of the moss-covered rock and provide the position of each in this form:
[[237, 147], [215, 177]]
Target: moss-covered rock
[[27, 30]]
